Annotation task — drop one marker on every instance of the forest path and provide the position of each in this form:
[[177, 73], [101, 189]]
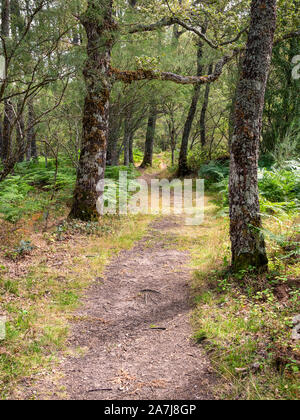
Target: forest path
[[135, 327]]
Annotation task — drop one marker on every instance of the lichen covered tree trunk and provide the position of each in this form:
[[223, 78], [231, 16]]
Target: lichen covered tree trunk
[[248, 245], [99, 26]]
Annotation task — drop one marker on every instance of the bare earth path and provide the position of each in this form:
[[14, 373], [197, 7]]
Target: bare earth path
[[136, 328]]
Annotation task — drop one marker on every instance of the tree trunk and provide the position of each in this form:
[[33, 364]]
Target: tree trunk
[[31, 134], [127, 134], [18, 21], [7, 130], [183, 166], [20, 138], [234, 93], [1, 138], [28, 147], [131, 138], [112, 152], [5, 18], [115, 123], [149, 144], [34, 152], [8, 110], [172, 134], [99, 26], [173, 143], [248, 245], [204, 110]]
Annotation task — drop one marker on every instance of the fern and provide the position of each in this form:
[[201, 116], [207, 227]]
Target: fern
[[279, 187]]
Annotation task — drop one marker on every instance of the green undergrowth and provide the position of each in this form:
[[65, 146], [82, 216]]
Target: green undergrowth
[[120, 178], [37, 187], [248, 335], [245, 321], [279, 187]]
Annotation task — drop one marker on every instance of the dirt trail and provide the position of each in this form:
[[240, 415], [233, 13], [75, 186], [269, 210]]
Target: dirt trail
[[135, 326]]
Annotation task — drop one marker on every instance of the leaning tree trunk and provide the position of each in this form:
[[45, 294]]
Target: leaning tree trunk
[[183, 169], [149, 144], [99, 26], [248, 245]]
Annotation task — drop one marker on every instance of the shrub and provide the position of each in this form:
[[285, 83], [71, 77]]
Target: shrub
[[279, 187], [214, 173], [199, 156], [31, 187], [17, 192]]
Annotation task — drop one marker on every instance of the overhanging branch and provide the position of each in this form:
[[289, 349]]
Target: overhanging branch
[[141, 74]]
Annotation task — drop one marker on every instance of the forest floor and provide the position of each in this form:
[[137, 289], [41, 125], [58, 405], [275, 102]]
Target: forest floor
[[133, 328], [141, 307]]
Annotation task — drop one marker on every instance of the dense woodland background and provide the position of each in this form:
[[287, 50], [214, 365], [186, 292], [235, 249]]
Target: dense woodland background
[[42, 98], [182, 129]]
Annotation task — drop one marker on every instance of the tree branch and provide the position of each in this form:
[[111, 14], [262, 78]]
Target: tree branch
[[175, 21], [132, 76], [152, 26], [295, 34]]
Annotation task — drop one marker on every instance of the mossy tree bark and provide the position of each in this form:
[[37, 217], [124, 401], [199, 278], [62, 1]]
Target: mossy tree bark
[[100, 28], [248, 245]]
